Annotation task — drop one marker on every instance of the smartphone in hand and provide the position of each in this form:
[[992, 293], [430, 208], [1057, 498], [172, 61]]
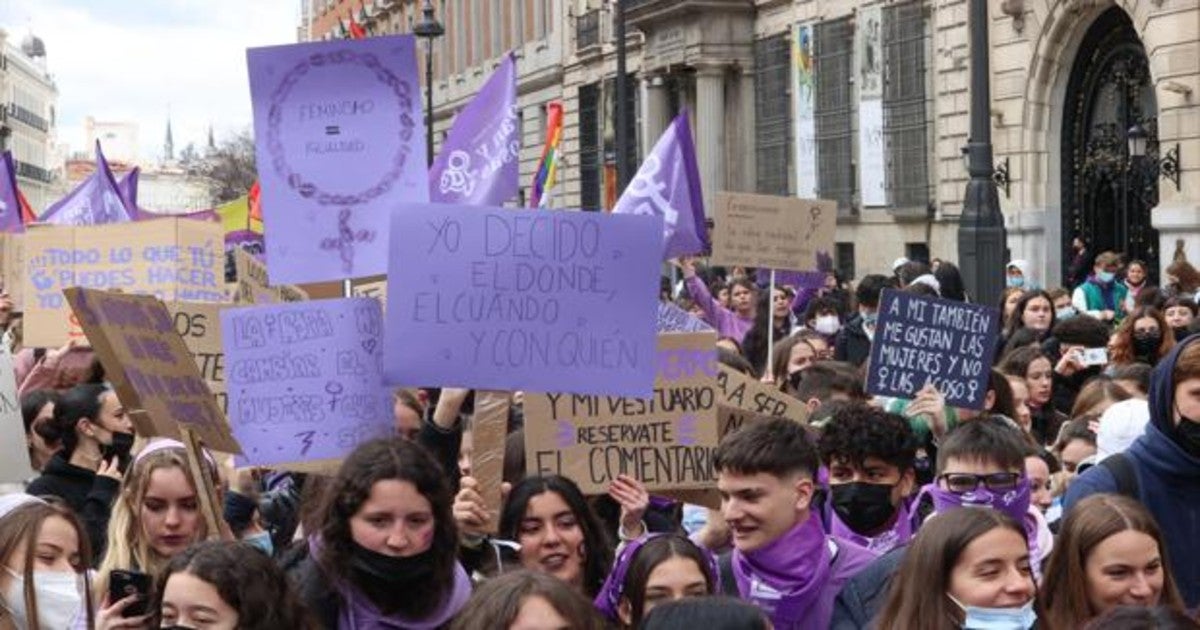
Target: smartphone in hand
[[122, 584]]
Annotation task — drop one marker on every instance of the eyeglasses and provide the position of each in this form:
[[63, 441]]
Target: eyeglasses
[[968, 482]]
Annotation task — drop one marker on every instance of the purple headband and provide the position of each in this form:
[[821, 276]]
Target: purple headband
[[608, 600]]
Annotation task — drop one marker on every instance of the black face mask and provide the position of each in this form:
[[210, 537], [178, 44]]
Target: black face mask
[[1146, 346], [1187, 435], [391, 570], [121, 445], [864, 507]]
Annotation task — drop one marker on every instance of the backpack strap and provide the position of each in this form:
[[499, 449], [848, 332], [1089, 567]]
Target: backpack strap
[[1122, 471], [728, 580]]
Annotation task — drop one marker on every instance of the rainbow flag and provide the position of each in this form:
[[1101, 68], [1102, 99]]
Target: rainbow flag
[[543, 181]]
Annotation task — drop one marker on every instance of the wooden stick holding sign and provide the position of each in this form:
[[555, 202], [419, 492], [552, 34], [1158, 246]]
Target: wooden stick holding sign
[[489, 430], [205, 490]]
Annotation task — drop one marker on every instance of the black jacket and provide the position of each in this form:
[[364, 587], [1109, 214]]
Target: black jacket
[[89, 495], [865, 594], [852, 344]]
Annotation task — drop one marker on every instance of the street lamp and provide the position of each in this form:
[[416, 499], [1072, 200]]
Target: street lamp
[[428, 29], [981, 237]]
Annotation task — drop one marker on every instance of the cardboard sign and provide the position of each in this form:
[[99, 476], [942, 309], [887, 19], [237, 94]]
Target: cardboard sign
[[491, 298], [304, 379], [743, 398], [339, 143], [374, 288], [254, 286], [175, 260], [773, 232], [666, 441], [671, 318], [14, 455], [12, 268], [200, 327], [489, 433], [920, 339], [135, 339]]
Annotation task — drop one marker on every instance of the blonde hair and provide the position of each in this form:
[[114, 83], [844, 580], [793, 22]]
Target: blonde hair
[[127, 544]]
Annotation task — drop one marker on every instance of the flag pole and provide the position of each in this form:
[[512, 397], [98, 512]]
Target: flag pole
[[771, 325]]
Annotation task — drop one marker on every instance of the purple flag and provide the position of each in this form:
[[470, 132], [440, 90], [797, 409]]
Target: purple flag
[[339, 143], [95, 201], [479, 162], [10, 203], [668, 185], [128, 188]]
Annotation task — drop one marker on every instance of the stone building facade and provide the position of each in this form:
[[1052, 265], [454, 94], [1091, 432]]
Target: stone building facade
[[864, 102], [27, 117]]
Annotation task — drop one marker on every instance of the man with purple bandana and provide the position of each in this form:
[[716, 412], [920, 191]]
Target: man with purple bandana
[[782, 560], [869, 454]]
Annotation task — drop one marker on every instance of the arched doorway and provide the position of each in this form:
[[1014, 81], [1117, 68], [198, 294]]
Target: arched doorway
[[1107, 196]]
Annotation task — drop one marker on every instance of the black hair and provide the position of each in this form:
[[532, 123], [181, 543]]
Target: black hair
[[710, 613], [1015, 323], [776, 446], [77, 403], [869, 288], [858, 431], [1017, 362], [911, 270], [822, 304], [371, 462], [985, 438], [1021, 338], [514, 456], [33, 402], [597, 549], [950, 282], [1136, 372], [1003, 403], [652, 554], [1082, 330], [823, 379], [246, 579], [735, 361]]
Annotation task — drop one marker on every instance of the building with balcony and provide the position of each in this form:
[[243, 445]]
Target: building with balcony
[[27, 118], [478, 33]]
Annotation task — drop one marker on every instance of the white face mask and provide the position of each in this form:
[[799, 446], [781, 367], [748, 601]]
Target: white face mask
[[57, 595], [827, 325]]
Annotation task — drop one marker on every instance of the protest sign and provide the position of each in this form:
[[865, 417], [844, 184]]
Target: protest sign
[[254, 286], [339, 142], [671, 318], [199, 325], [489, 434], [171, 259], [374, 287], [134, 337], [920, 339], [304, 379], [12, 268], [666, 440], [14, 454], [490, 298], [743, 398], [774, 232]]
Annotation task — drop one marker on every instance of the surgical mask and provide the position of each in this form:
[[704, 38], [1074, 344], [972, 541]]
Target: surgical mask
[[261, 540], [863, 507], [1066, 312], [1105, 276], [981, 618], [57, 595], [1016, 281], [827, 325]]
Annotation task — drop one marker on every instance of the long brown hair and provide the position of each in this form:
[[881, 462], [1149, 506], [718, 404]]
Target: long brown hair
[[929, 562], [1093, 520], [498, 601], [1122, 340], [22, 526]]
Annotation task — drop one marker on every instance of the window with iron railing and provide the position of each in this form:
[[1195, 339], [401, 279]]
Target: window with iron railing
[[587, 30], [832, 111], [905, 127], [772, 114]]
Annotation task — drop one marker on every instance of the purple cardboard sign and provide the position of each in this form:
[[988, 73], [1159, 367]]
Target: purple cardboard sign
[[671, 318], [339, 142], [533, 300], [304, 379]]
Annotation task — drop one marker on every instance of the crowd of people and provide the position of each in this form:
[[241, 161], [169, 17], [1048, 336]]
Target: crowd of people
[[1071, 500]]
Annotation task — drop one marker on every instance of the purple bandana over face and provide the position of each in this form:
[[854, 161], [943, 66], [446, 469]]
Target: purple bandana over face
[[1013, 502], [786, 577]]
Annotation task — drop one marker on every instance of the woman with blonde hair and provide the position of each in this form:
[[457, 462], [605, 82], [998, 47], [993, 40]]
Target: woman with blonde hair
[[1109, 553], [156, 517]]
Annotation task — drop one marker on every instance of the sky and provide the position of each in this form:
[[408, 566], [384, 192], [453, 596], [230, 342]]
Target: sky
[[130, 60]]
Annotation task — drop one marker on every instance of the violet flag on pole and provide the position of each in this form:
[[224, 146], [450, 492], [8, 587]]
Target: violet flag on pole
[[10, 202], [478, 164], [128, 187], [668, 185], [95, 201]]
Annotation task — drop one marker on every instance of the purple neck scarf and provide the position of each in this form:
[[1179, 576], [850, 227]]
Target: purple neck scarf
[[785, 578], [898, 534]]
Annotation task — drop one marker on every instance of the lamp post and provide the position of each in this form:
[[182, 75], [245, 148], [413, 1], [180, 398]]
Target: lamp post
[[981, 234], [622, 113], [428, 29]]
